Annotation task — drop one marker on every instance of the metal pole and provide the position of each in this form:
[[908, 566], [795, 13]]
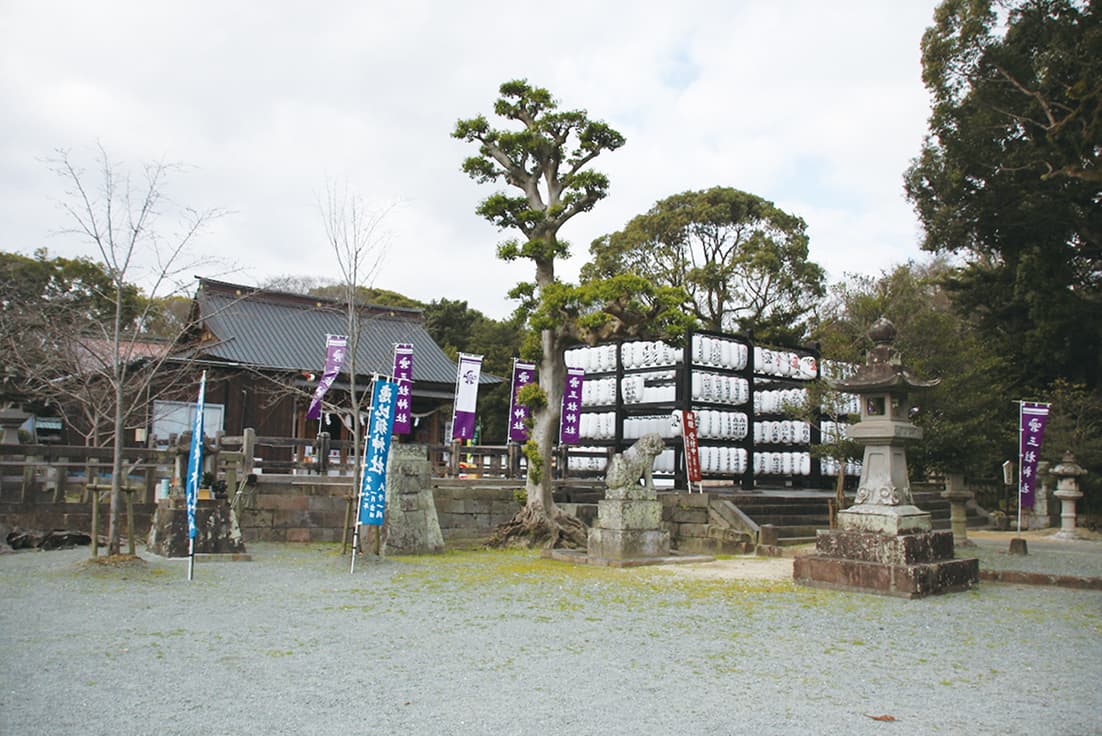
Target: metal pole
[[355, 542], [190, 558]]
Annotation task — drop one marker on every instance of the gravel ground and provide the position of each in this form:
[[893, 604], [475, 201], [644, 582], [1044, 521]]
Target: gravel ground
[[1046, 554], [507, 643]]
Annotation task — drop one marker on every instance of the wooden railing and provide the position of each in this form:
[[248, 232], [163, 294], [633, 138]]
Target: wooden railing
[[29, 472]]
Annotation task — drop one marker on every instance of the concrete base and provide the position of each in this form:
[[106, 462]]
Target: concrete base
[[217, 532], [906, 565]]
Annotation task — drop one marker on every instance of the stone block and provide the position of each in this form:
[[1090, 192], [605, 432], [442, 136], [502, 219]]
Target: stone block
[[693, 530], [299, 535], [768, 535], [907, 581], [621, 544], [883, 519], [281, 503], [905, 549], [614, 514], [685, 500], [699, 546], [326, 504], [683, 515]]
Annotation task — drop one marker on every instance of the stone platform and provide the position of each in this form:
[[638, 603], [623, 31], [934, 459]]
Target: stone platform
[[907, 565]]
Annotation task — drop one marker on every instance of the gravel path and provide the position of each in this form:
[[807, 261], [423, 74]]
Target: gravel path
[[507, 643]]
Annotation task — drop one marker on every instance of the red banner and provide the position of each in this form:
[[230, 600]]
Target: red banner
[[692, 449]]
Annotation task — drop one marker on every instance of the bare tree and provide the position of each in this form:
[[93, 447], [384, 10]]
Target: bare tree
[[355, 233], [126, 221]]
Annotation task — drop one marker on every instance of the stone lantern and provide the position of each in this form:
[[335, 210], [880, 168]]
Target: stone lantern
[[884, 502], [884, 543], [1067, 472]]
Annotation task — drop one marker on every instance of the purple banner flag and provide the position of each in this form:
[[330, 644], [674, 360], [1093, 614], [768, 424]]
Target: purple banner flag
[[380, 425], [570, 423], [466, 396], [403, 372], [1033, 418], [523, 374], [335, 348], [195, 459]]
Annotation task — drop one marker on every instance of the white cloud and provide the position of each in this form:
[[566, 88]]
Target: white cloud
[[816, 106]]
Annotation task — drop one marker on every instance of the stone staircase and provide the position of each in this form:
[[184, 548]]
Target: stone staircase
[[797, 516]]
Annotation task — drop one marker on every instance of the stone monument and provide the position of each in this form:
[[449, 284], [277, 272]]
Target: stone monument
[[629, 518], [412, 527], [216, 530], [884, 543]]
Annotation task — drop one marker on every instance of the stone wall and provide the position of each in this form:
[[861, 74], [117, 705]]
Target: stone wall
[[299, 509], [304, 509]]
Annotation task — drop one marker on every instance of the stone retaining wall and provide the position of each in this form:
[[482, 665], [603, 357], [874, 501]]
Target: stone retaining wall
[[302, 509], [305, 510]]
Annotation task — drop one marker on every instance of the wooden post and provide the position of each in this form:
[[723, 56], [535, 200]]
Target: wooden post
[[95, 517], [59, 471], [91, 475], [347, 522], [28, 487], [130, 520], [322, 451], [248, 448]]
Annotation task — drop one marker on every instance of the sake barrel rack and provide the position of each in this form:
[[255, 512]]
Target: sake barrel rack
[[750, 400]]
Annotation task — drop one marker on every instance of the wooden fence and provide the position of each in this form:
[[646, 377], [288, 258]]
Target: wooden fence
[[56, 473]]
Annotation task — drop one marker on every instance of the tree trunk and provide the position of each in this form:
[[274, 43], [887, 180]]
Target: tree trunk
[[541, 522], [113, 544]]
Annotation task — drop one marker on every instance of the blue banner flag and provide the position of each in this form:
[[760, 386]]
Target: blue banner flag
[[380, 426], [195, 458]]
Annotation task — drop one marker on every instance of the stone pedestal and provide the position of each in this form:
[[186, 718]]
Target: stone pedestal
[[629, 518], [907, 565], [412, 527], [628, 528], [217, 532]]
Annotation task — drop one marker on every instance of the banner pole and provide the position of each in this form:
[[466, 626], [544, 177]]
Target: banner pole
[[355, 540], [1020, 404], [190, 558], [360, 490]]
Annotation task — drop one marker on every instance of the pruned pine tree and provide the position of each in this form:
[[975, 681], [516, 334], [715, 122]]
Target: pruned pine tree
[[544, 157]]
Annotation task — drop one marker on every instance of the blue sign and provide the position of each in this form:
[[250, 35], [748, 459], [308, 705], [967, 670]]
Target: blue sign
[[380, 426]]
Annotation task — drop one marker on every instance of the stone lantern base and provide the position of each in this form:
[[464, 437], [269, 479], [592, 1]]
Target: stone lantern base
[[908, 565]]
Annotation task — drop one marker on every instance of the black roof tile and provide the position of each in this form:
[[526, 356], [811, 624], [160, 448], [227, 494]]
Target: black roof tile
[[278, 331]]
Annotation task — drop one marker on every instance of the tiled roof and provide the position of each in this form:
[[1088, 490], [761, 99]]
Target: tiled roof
[[279, 331]]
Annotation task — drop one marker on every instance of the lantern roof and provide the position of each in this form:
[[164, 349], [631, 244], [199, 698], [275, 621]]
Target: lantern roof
[[883, 369]]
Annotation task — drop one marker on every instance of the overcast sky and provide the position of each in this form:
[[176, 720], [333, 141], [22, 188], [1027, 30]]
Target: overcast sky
[[816, 105]]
